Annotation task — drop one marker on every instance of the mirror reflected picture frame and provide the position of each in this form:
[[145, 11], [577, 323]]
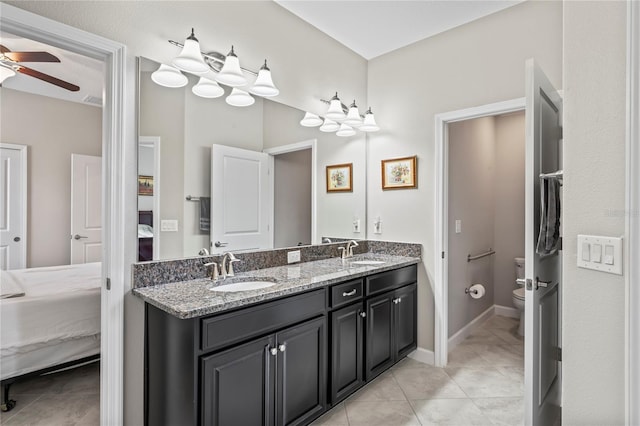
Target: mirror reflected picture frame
[[399, 173], [340, 178], [145, 185]]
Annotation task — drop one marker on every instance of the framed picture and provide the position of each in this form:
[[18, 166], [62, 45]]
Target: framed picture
[[340, 178], [399, 173], [145, 185]]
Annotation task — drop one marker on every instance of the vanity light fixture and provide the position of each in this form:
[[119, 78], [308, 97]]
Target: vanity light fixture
[[310, 120], [369, 123], [227, 71], [207, 88], [335, 111], [6, 72], [353, 117], [239, 98], [190, 59], [169, 76], [345, 131], [329, 126]]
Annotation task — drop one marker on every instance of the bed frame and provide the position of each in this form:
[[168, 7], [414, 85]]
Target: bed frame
[[8, 404]]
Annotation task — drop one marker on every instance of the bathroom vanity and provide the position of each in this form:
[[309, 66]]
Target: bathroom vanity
[[277, 356]]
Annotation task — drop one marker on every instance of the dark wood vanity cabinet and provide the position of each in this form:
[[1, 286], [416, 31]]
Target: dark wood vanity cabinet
[[279, 362]]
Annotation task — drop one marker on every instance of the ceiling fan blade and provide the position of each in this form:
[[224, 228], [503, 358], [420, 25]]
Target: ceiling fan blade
[[48, 78], [31, 56]]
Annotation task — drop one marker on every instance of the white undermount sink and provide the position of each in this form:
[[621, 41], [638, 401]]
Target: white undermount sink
[[368, 262], [243, 286]]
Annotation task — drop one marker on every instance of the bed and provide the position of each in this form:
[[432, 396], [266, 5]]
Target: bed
[[49, 317]]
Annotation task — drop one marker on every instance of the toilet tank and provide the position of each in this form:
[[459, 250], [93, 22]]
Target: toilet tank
[[519, 261]]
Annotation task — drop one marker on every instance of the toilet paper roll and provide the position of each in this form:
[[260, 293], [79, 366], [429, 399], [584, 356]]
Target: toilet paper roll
[[477, 291]]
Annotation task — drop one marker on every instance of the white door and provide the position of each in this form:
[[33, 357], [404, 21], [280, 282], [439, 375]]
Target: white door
[[543, 279], [86, 208], [240, 199], [13, 212]]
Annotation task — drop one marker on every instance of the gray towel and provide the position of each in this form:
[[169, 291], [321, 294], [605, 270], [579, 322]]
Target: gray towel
[[205, 213], [549, 237]]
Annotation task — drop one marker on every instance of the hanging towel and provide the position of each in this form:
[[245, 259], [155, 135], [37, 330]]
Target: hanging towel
[[549, 237], [205, 213]]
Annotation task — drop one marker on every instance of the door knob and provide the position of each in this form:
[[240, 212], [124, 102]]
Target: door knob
[[78, 237], [219, 244], [16, 239]]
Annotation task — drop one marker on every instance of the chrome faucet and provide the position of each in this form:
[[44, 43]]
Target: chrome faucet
[[347, 251], [214, 270], [226, 266]]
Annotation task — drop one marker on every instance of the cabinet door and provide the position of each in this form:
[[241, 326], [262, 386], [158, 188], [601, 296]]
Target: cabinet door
[[346, 351], [405, 307], [238, 385], [379, 347], [301, 388]]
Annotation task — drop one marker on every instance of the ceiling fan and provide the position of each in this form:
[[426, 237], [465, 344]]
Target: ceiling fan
[[10, 63]]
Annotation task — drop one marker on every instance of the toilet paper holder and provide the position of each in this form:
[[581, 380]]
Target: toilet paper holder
[[468, 290]]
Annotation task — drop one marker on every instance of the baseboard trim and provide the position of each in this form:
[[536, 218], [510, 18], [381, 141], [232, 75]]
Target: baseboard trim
[[507, 311], [465, 331], [424, 356]]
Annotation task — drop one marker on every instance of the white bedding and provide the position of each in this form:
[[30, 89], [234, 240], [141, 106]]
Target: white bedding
[[61, 303]]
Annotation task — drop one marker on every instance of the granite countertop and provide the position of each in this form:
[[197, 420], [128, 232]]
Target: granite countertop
[[194, 298]]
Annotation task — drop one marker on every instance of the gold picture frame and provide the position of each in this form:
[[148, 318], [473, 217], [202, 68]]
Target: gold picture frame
[[145, 185], [340, 178], [400, 173]]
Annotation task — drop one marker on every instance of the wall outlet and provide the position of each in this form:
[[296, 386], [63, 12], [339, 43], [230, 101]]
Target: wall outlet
[[293, 256], [356, 226], [169, 225]]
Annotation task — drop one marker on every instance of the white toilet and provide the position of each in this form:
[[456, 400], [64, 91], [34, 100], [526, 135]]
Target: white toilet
[[518, 293]]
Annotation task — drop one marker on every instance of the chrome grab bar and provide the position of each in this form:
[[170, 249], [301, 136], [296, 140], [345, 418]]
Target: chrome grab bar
[[481, 255]]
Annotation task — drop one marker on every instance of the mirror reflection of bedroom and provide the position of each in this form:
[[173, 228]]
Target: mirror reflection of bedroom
[[50, 225]]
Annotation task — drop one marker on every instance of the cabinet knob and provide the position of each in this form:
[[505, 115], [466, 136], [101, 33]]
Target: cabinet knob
[[282, 348], [273, 351], [396, 301], [363, 314], [399, 299]]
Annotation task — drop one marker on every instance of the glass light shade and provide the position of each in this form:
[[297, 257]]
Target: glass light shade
[[264, 84], [353, 117], [310, 120], [190, 59], [240, 98], [345, 130], [5, 73], [168, 76], [329, 126], [369, 123], [335, 109], [231, 74], [207, 89]]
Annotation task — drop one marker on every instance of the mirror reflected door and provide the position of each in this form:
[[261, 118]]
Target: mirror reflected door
[[148, 197]]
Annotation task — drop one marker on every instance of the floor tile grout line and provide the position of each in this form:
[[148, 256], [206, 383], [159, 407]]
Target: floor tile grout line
[[406, 397]]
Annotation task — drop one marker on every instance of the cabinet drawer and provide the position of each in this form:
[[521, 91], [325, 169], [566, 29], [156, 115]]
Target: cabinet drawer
[[391, 279], [344, 293], [225, 329]]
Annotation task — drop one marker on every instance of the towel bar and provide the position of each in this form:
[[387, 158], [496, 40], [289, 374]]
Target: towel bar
[[190, 198], [481, 255]]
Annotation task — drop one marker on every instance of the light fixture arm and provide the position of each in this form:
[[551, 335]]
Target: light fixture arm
[[215, 57]]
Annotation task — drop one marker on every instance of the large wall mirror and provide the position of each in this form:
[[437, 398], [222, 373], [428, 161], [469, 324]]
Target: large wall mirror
[[182, 198]]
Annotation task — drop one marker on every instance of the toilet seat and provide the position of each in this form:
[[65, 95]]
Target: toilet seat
[[519, 293]]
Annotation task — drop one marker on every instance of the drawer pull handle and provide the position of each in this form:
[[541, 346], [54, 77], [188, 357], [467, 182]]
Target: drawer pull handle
[[273, 351], [349, 293], [282, 348]]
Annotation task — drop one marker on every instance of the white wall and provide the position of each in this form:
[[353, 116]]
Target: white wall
[[475, 64], [594, 203], [52, 129], [509, 204], [472, 145]]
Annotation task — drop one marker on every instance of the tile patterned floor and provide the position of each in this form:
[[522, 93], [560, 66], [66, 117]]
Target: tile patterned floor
[[483, 384], [70, 398]]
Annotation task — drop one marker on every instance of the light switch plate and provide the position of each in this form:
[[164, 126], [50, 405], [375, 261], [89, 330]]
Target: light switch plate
[[458, 226], [600, 253], [356, 226], [169, 225], [293, 256]]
